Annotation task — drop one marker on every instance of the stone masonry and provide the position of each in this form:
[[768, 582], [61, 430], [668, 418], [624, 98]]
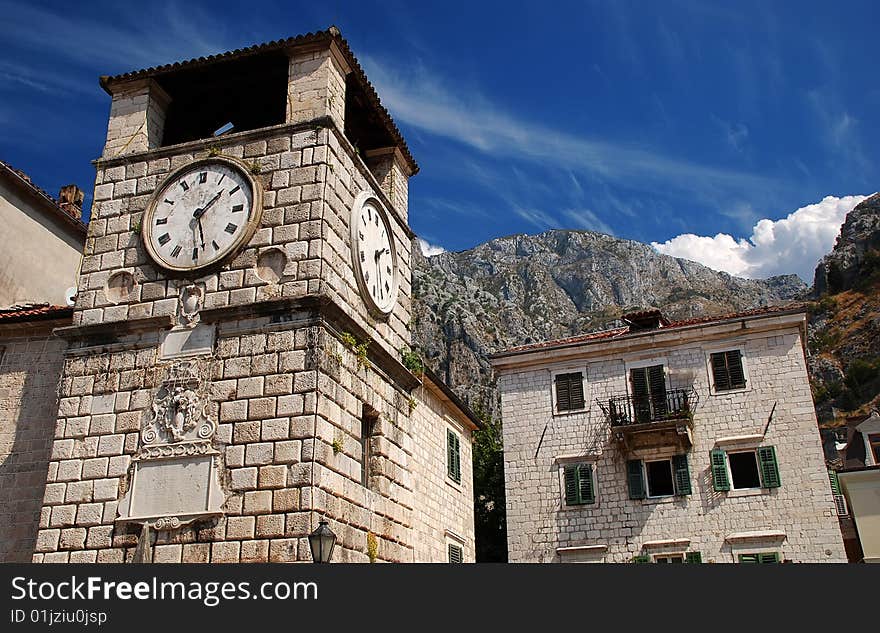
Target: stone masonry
[[283, 381], [797, 519]]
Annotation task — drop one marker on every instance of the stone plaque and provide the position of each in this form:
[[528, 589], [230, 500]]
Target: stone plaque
[[181, 488], [185, 342]]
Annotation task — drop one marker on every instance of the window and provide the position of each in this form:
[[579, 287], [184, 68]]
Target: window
[[648, 392], [765, 557], [368, 423], [874, 443], [744, 469], [669, 558], [659, 478], [727, 370], [569, 391], [455, 552], [579, 484], [839, 499], [453, 456]]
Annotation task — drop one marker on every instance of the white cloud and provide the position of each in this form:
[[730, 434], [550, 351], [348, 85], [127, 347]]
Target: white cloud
[[793, 244], [430, 249]]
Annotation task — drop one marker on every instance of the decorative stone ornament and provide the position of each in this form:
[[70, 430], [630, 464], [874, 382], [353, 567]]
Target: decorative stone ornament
[[202, 214], [191, 300], [175, 478], [374, 254]]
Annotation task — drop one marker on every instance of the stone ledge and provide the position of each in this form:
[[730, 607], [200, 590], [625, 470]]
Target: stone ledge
[[673, 542], [587, 549], [755, 535]]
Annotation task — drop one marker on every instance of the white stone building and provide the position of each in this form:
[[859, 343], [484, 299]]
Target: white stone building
[[690, 441]]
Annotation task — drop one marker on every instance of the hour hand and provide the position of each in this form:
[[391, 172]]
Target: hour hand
[[200, 212], [201, 233]]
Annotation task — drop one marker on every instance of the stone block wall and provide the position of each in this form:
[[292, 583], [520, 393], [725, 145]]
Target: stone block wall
[[537, 443], [30, 367]]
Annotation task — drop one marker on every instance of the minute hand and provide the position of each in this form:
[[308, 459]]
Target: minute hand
[[200, 212]]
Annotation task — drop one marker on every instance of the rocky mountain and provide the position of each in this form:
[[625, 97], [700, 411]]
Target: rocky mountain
[[845, 320], [525, 288]]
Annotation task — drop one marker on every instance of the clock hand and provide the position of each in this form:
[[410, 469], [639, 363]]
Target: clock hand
[[201, 233], [200, 212]]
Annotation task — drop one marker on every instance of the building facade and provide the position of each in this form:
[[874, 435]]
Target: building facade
[[233, 370], [665, 442]]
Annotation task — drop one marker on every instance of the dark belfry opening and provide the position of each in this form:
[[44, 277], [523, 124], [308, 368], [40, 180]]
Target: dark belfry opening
[[249, 93], [363, 126]]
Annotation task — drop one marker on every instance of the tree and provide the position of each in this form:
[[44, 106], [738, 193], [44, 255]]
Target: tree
[[490, 522]]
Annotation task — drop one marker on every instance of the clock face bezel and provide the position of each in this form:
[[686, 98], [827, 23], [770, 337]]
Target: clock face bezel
[[360, 201], [253, 221]]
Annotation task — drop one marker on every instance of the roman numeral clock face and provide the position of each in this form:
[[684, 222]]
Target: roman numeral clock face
[[375, 257], [201, 214]]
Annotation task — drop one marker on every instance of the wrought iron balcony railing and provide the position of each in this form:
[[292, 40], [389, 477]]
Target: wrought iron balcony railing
[[674, 404]]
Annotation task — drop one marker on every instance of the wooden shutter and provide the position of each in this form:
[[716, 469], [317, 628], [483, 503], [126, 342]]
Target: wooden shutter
[[635, 479], [681, 475], [570, 391], [693, 557], [769, 467], [571, 485], [720, 481], [453, 461], [749, 558], [772, 557], [639, 379], [735, 369], [719, 371], [455, 553], [641, 558], [835, 482], [586, 492]]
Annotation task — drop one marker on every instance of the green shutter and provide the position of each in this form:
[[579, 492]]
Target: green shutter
[[749, 558], [455, 553], [735, 369], [571, 486], [639, 379], [635, 479], [720, 375], [682, 475], [576, 390], [769, 467], [835, 483], [586, 492], [693, 557], [453, 462], [772, 557], [720, 481], [563, 394], [641, 558]]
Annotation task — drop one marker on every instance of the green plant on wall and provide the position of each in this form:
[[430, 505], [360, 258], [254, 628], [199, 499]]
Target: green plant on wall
[[372, 547], [136, 228], [412, 361], [359, 349], [337, 445], [213, 151], [412, 404]]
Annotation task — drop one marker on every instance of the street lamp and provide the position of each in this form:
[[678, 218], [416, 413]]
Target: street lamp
[[321, 542]]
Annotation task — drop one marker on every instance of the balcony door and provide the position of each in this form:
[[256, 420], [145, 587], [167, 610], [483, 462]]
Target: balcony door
[[648, 392]]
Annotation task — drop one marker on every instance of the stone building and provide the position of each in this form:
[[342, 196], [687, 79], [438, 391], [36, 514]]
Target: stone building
[[233, 371], [689, 441], [32, 280]]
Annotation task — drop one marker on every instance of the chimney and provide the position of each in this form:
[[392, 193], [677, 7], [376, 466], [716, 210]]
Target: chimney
[[70, 199], [645, 320]]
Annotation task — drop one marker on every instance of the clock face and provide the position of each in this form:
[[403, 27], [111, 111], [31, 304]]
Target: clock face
[[375, 257], [201, 214]]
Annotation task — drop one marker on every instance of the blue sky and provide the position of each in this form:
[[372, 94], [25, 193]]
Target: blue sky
[[737, 134]]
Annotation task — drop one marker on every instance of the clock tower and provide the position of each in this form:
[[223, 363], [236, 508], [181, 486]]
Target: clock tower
[[234, 369]]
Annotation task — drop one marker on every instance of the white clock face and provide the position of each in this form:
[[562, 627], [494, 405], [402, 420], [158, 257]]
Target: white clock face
[[374, 254], [201, 214]]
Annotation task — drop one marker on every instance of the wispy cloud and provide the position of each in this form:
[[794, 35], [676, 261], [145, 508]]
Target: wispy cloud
[[429, 249], [793, 244], [422, 101], [586, 219]]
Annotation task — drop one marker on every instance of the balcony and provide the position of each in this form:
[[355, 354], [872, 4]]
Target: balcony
[[653, 421]]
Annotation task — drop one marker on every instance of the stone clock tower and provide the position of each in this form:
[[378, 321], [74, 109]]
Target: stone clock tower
[[233, 372]]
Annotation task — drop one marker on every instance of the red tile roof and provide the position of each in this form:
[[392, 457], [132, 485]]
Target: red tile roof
[[24, 180], [42, 312], [623, 331]]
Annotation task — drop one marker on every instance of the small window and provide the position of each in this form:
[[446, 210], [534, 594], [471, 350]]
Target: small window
[[669, 558], [727, 370], [368, 424], [764, 557], [453, 456], [456, 554], [744, 470], [580, 486], [874, 442], [569, 391], [659, 476]]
